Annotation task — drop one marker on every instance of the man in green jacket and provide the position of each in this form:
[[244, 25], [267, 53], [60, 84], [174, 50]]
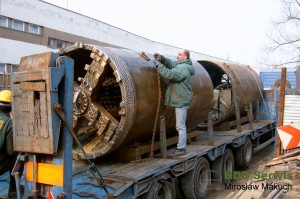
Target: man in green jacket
[[7, 154], [179, 93]]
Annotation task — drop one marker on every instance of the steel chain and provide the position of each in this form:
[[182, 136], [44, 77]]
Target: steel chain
[[156, 115]]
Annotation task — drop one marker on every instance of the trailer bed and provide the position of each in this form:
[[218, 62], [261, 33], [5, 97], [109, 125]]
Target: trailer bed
[[129, 180]]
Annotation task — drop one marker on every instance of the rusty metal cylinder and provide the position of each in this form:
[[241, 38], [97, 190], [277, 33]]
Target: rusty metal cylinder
[[117, 95], [230, 82]]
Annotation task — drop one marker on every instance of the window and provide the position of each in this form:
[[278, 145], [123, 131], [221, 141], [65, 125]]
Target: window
[[18, 25], [8, 68], [14, 68], [69, 43], [51, 42], [2, 68], [57, 43], [3, 21], [33, 28]]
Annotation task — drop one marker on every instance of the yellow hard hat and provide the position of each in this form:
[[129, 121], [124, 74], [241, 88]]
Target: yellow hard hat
[[5, 96]]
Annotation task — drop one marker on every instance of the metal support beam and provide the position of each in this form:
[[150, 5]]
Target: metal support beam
[[257, 111], [66, 144], [250, 117], [237, 114], [163, 139], [210, 130]]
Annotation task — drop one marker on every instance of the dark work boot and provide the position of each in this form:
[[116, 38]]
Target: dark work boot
[[178, 152]]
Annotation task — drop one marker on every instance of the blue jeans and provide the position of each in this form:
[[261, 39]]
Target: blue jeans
[[181, 114]]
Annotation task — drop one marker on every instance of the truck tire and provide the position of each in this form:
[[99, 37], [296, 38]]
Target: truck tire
[[195, 183], [178, 187], [243, 154], [161, 189], [223, 164]]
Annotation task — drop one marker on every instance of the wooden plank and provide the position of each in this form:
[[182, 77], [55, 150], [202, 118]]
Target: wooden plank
[[29, 76], [170, 141], [34, 62], [289, 154], [135, 154], [275, 162], [222, 137], [253, 193], [33, 86], [229, 196]]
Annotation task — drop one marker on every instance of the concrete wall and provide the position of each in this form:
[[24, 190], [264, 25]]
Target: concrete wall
[[60, 19], [12, 50]]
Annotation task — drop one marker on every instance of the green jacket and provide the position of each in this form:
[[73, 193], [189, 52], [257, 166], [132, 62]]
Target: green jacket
[[179, 91], [6, 142]]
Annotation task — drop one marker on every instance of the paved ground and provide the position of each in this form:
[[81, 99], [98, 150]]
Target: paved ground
[[261, 157]]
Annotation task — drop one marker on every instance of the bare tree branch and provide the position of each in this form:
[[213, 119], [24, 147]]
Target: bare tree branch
[[285, 35], [288, 42], [286, 63], [281, 64], [288, 12], [291, 18]]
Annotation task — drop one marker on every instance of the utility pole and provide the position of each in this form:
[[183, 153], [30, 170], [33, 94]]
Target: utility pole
[[281, 108]]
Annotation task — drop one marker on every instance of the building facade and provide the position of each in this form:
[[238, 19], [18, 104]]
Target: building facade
[[33, 26]]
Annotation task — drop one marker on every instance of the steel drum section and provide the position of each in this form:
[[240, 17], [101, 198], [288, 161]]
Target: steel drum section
[[116, 97], [230, 80]]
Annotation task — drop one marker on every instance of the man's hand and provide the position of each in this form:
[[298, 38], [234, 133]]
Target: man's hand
[[157, 57], [156, 63]]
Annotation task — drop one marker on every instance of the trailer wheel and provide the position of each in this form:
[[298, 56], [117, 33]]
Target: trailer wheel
[[243, 154], [195, 183], [161, 189], [223, 164]]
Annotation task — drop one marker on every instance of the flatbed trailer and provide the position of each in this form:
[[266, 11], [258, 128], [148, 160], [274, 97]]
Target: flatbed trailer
[[131, 180], [134, 179]]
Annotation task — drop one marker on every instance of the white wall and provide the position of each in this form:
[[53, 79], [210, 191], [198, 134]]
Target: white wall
[[12, 50], [48, 15], [57, 18]]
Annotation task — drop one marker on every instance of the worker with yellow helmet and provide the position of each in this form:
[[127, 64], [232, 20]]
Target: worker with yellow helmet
[[5, 101], [7, 154]]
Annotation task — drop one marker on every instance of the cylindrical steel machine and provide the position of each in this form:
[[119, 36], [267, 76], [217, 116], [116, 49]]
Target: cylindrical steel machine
[[116, 97], [231, 81]]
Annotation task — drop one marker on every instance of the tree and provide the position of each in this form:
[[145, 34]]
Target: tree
[[285, 36]]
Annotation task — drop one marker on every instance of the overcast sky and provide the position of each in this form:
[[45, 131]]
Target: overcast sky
[[228, 29]]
